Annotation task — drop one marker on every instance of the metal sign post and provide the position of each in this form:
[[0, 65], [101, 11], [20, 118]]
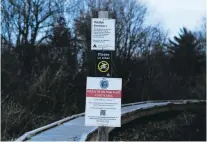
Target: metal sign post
[[103, 134]]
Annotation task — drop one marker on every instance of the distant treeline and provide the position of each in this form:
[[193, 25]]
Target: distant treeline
[[46, 57]]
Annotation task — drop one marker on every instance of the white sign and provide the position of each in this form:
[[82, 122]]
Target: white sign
[[102, 34], [103, 102]]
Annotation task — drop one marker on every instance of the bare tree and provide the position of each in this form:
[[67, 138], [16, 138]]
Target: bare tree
[[28, 21]]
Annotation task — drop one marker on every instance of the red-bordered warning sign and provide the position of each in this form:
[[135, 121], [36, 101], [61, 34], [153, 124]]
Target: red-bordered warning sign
[[103, 102]]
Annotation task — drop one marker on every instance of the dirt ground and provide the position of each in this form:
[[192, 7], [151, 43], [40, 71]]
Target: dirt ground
[[173, 126]]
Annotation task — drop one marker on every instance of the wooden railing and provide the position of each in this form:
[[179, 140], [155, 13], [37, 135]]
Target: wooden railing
[[197, 106]]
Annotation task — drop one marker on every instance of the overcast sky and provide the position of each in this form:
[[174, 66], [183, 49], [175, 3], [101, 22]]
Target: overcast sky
[[174, 14]]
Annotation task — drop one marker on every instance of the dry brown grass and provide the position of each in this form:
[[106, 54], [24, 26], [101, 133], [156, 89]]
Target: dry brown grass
[[183, 127]]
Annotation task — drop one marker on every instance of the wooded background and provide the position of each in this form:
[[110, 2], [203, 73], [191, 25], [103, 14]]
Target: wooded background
[[46, 57]]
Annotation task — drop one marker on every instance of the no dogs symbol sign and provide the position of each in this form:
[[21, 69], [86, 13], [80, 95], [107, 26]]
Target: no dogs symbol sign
[[103, 64]]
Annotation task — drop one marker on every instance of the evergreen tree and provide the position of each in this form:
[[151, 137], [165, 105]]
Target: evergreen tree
[[185, 54]]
